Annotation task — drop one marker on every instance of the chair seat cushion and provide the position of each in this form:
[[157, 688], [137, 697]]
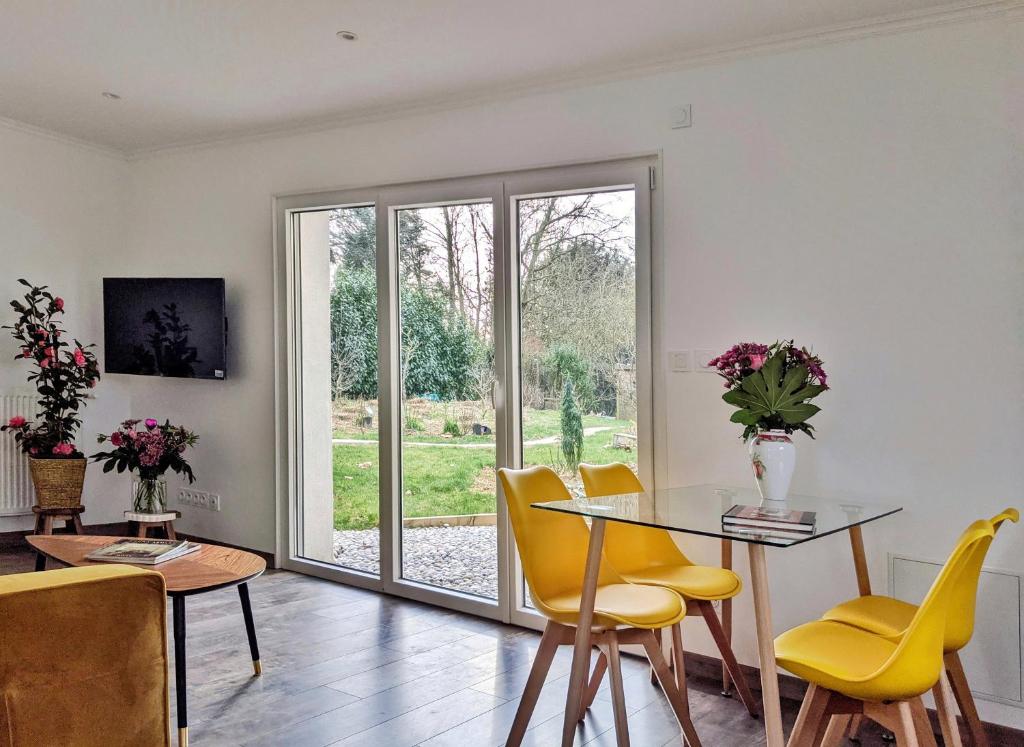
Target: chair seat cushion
[[881, 615], [692, 581], [621, 604], [848, 660]]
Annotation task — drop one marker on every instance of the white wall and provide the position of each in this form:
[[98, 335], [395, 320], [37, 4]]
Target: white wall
[[862, 197], [60, 221]]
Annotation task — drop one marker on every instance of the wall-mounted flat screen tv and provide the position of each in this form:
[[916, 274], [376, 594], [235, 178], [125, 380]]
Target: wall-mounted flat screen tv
[[165, 327]]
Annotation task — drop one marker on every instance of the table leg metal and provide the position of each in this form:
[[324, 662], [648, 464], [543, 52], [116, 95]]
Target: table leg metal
[[40, 561], [179, 669], [766, 646], [581, 648], [250, 629]]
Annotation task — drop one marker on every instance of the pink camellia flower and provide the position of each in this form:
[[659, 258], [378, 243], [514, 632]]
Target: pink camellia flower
[[756, 361], [117, 439], [79, 358], [59, 303], [151, 423], [64, 449], [16, 422]]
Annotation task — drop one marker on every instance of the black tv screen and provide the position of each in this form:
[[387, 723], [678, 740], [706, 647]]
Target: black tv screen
[[165, 327]]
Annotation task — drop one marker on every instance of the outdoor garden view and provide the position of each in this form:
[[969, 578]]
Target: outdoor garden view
[[578, 352]]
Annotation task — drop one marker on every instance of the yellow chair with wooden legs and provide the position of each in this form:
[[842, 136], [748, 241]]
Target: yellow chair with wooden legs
[[854, 672], [890, 617], [646, 555], [553, 548]]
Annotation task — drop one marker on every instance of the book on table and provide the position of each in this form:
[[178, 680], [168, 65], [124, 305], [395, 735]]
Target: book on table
[[755, 517], [142, 551]]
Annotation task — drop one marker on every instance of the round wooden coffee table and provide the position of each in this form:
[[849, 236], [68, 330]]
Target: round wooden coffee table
[[209, 568]]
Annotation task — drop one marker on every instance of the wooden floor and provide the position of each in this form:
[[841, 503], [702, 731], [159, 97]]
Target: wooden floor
[[344, 666]]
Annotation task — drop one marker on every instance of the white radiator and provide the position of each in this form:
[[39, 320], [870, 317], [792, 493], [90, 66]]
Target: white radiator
[[16, 493]]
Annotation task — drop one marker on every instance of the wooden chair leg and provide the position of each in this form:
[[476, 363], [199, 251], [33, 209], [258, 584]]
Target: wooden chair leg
[[681, 710], [964, 699], [853, 731], [922, 724], [810, 717], [728, 657], [595, 684], [943, 694], [534, 683], [835, 734], [660, 635], [680, 663], [726, 617], [618, 695], [905, 728]]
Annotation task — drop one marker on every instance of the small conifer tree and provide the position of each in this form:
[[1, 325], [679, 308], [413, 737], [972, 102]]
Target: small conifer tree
[[572, 428]]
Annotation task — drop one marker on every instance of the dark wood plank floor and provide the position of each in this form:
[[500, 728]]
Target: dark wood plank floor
[[344, 666]]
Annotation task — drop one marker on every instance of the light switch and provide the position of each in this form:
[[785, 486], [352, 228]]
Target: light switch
[[679, 360], [701, 358]]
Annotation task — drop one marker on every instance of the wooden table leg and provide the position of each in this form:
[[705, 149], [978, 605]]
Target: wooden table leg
[[860, 562], [726, 615], [179, 669], [766, 646], [250, 629], [581, 647]]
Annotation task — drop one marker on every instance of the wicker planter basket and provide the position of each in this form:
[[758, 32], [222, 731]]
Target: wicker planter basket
[[58, 482]]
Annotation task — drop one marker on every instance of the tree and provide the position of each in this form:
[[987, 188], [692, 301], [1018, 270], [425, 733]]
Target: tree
[[572, 429]]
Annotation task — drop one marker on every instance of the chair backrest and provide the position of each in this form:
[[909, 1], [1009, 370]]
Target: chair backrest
[[915, 665], [553, 546], [628, 547], [960, 626]]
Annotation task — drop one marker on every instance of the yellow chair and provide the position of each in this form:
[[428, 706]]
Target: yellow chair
[[645, 555], [553, 549], [83, 658], [855, 672], [890, 618]]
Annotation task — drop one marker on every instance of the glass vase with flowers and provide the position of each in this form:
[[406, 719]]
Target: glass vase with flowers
[[149, 452]]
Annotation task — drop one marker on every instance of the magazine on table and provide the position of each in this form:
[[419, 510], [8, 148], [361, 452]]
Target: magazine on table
[[142, 551], [757, 517]]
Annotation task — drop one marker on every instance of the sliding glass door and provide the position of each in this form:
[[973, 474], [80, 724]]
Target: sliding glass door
[[437, 332]]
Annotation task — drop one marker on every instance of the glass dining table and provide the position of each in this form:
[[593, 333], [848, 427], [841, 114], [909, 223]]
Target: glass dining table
[[698, 510]]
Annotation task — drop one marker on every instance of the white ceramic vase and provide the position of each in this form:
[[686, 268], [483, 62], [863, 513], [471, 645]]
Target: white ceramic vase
[[773, 458]]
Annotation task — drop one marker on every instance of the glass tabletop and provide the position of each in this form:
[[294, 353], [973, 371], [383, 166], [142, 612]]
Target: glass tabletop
[[699, 509]]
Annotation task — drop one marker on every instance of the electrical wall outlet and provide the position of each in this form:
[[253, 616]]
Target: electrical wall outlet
[[682, 116], [679, 360], [199, 499], [214, 502], [701, 358]]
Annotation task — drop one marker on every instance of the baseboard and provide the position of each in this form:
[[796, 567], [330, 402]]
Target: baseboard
[[709, 669]]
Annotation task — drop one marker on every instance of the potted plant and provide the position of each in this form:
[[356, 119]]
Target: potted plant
[[149, 452], [63, 372], [772, 385]]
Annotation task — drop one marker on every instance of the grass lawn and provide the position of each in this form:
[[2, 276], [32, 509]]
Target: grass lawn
[[447, 481]]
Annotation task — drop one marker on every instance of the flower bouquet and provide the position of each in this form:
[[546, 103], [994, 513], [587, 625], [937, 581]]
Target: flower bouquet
[[771, 386], [63, 373], [148, 451]]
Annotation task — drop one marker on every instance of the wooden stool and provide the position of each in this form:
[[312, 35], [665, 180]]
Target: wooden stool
[[144, 521], [45, 516]]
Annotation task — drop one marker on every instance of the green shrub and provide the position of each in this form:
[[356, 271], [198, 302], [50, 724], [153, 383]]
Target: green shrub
[[414, 424], [572, 429], [564, 364], [451, 427]]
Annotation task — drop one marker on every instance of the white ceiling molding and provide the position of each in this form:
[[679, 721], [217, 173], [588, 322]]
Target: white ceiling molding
[[958, 12]]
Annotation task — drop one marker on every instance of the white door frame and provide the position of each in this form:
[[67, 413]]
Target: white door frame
[[502, 190]]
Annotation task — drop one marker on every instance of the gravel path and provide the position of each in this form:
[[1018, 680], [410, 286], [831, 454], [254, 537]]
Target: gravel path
[[448, 444], [454, 557]]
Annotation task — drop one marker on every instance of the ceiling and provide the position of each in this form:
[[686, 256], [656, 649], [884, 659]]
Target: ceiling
[[192, 71]]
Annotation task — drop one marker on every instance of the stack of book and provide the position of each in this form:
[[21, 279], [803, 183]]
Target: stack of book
[[784, 524], [142, 551]]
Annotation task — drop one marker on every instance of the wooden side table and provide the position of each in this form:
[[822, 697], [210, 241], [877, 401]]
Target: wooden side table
[[144, 521], [70, 515]]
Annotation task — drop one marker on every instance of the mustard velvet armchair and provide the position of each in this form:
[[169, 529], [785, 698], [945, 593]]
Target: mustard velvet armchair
[[83, 658]]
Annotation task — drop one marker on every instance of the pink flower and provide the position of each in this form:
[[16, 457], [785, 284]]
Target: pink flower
[[757, 360], [117, 439], [16, 422], [33, 450], [92, 383], [44, 363], [26, 352], [59, 303], [79, 358], [151, 423], [64, 449]]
